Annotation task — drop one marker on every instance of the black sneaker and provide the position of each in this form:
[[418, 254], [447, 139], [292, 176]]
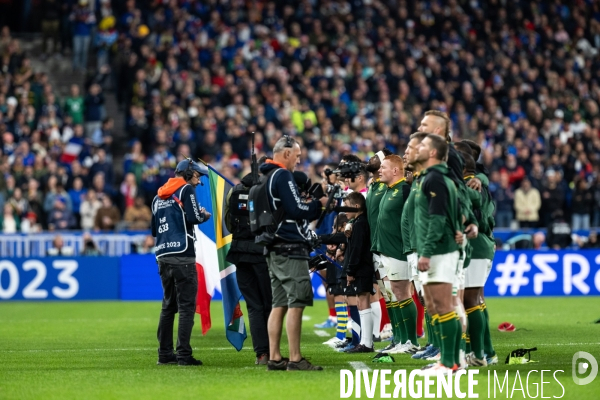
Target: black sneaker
[[303, 365], [172, 359], [188, 361], [280, 365], [361, 348]]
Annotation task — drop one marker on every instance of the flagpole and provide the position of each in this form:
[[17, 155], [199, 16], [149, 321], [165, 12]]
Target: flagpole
[[216, 172]]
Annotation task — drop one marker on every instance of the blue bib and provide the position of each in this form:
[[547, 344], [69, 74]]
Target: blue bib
[[171, 230]]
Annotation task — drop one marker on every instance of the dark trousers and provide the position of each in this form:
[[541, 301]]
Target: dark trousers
[[180, 287], [255, 284]]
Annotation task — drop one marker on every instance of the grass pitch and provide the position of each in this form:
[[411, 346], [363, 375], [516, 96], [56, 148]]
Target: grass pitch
[[107, 350]]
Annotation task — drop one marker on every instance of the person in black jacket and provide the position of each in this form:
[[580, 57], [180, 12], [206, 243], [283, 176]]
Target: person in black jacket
[[251, 267], [358, 265], [288, 255], [175, 211]]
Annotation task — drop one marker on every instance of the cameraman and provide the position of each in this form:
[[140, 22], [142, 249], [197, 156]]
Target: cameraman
[[174, 214], [251, 266], [359, 182], [288, 255]]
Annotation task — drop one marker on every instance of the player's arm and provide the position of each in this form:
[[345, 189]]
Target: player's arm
[[194, 214], [436, 193]]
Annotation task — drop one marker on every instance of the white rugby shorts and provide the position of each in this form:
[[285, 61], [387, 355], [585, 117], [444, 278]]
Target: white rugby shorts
[[396, 270], [442, 269], [477, 273]]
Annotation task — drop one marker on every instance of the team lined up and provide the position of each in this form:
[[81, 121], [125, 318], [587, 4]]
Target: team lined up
[[425, 225]]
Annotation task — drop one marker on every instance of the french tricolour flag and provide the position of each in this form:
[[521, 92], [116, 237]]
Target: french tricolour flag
[[215, 274]]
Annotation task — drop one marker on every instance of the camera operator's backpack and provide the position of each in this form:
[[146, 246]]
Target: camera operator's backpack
[[262, 218]]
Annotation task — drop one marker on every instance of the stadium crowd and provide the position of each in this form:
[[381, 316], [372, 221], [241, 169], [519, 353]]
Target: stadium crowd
[[342, 77]]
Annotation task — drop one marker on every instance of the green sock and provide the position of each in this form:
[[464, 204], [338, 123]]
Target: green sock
[[435, 327], [408, 308], [450, 336], [487, 338], [428, 327], [461, 345], [403, 335], [468, 344], [396, 319], [476, 330]]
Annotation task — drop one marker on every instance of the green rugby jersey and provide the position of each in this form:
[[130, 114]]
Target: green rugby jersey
[[388, 239], [374, 196], [437, 212], [483, 244], [409, 237]]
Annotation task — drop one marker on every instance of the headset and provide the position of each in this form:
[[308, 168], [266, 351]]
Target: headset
[[289, 142], [189, 172]]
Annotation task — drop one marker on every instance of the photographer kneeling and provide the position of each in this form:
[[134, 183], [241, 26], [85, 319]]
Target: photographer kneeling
[[288, 253]]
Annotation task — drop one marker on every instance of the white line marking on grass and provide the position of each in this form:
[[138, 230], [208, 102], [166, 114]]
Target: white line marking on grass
[[103, 350], [306, 318], [322, 333], [357, 365]]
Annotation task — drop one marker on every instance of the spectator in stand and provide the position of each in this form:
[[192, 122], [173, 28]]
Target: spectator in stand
[[527, 204], [78, 196], [138, 216], [93, 109], [596, 207], [74, 105], [89, 246], [59, 249], [100, 186], [9, 220], [106, 37], [559, 232], [60, 217], [19, 203], [51, 10], [553, 197], [30, 224], [35, 199], [515, 172], [591, 242], [55, 191], [504, 198], [107, 216], [83, 20], [146, 246], [88, 210], [102, 166], [583, 200], [128, 191]]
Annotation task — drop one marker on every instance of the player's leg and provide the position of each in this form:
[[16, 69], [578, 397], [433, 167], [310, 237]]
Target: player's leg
[[474, 281]]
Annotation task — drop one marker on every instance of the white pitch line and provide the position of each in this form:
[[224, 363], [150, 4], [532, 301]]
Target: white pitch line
[[103, 350], [306, 318], [358, 365], [322, 333]]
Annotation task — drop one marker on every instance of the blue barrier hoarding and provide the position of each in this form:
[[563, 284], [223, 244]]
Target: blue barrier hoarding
[[135, 277], [59, 278], [545, 273], [140, 279]]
